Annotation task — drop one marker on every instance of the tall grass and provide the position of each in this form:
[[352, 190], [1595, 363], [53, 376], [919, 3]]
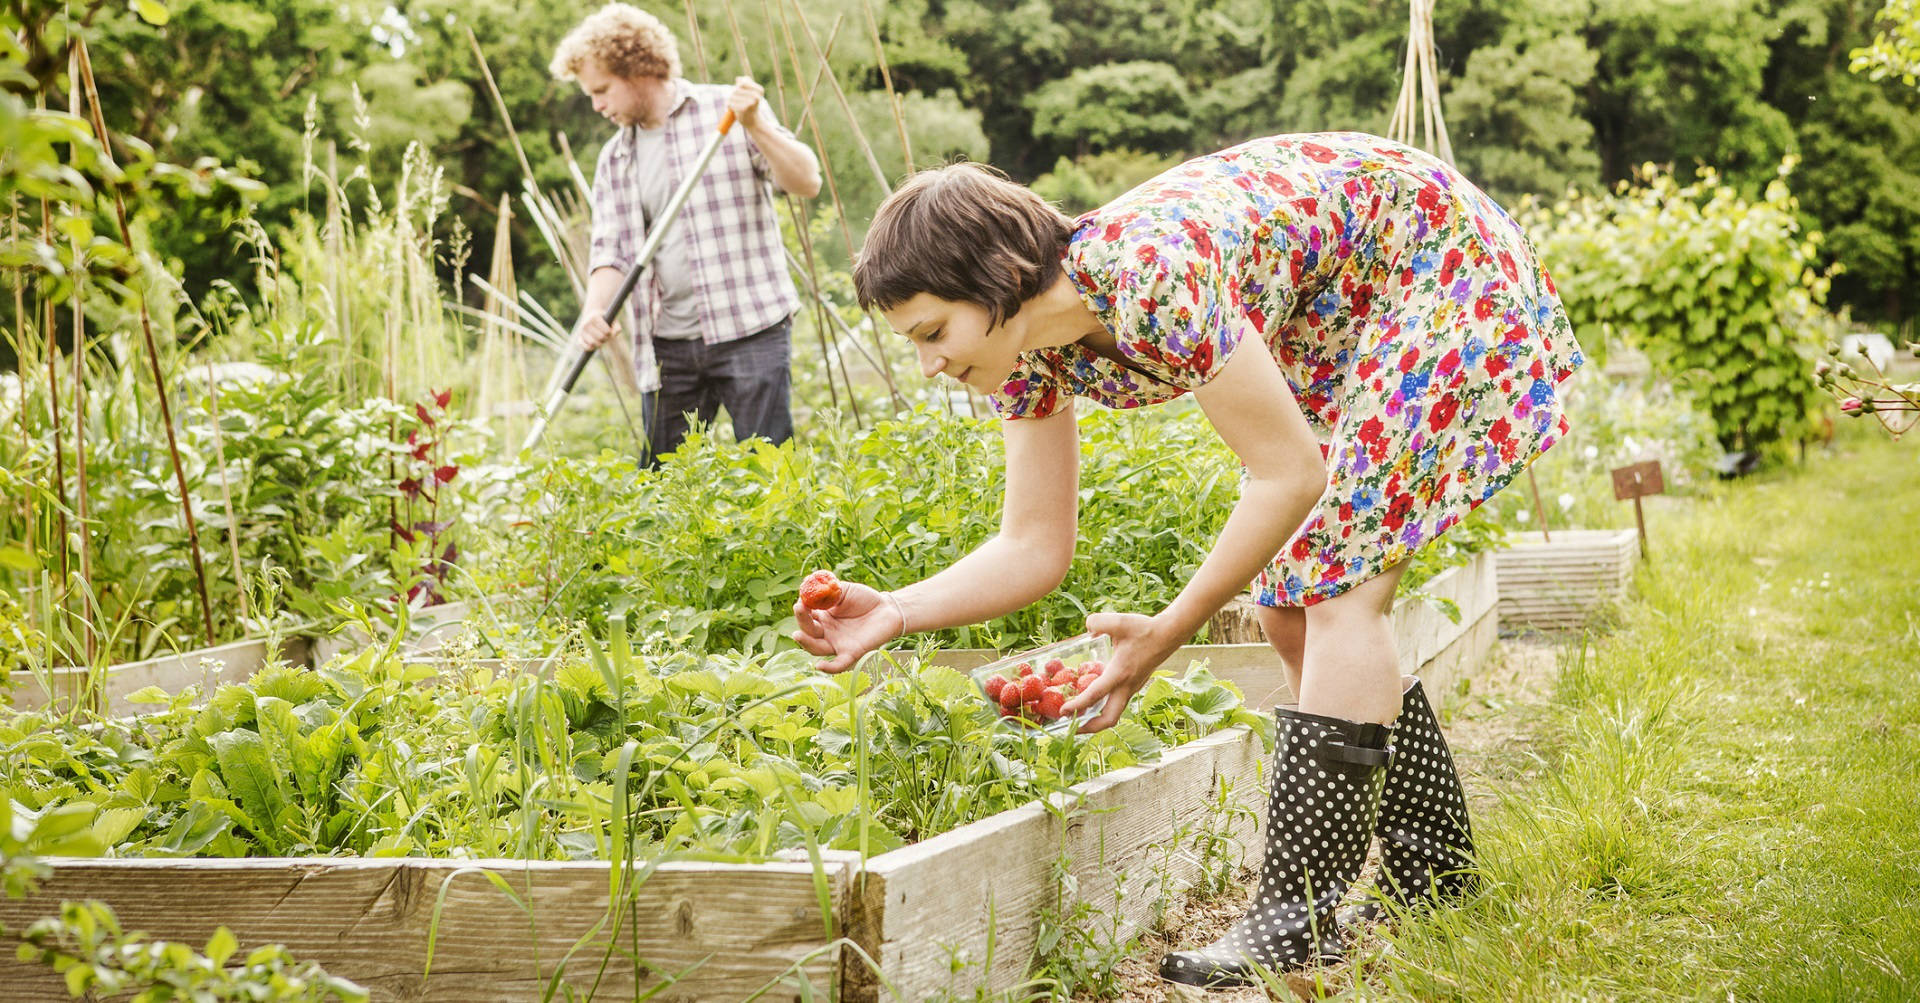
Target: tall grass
[[1723, 805]]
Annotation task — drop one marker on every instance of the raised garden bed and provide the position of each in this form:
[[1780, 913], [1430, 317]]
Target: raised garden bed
[[974, 894], [957, 912], [61, 688], [1556, 586]]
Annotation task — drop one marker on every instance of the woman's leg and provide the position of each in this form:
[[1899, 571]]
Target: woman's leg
[[1286, 630], [1350, 669], [1330, 760]]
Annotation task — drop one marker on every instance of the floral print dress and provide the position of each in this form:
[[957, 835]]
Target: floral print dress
[[1421, 338]]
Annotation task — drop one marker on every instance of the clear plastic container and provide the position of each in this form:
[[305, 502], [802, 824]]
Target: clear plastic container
[[1079, 658]]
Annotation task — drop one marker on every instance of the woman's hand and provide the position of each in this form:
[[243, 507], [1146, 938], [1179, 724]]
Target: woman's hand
[[1140, 644], [861, 621]]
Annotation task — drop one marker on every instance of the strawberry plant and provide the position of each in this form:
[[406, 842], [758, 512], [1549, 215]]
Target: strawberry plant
[[608, 754]]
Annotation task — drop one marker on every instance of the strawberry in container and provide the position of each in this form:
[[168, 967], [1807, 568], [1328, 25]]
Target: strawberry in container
[[1033, 685]]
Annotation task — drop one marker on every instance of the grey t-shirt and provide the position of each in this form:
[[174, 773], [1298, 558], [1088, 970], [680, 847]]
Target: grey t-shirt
[[679, 318]]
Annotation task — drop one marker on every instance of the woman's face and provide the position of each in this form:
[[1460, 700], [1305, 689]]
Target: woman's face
[[953, 338]]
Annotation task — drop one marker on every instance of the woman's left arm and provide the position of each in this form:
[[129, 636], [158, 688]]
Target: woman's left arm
[[1253, 409]]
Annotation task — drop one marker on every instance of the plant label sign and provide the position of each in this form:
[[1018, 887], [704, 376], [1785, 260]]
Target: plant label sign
[[1635, 481]]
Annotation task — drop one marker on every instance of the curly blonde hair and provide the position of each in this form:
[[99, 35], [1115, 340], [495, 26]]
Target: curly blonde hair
[[626, 41]]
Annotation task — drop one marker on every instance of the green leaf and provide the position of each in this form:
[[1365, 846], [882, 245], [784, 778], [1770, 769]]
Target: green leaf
[[153, 12], [18, 558], [248, 773], [113, 825], [222, 947]]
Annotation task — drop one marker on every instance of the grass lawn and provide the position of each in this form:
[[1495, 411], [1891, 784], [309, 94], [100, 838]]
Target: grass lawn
[[1722, 798]]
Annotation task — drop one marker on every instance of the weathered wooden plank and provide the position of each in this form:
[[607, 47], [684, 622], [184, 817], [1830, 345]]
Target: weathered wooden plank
[[61, 688], [1130, 844], [734, 929]]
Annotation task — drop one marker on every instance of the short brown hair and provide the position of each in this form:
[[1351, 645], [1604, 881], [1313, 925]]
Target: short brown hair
[[626, 41], [963, 233]]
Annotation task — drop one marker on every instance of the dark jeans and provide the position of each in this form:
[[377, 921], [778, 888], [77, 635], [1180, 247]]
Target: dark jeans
[[748, 377]]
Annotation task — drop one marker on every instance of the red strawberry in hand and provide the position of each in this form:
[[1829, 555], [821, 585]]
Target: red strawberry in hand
[[1010, 697], [1051, 703], [994, 685], [1031, 687], [821, 591]]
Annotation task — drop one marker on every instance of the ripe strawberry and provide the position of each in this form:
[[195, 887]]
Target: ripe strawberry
[[1050, 703], [994, 685], [1061, 678], [1007, 711], [1081, 682], [821, 590], [1010, 697], [1024, 669], [1054, 665], [1031, 688]]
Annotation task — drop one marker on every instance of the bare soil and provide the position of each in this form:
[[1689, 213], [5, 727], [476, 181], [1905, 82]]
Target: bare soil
[[1489, 723]]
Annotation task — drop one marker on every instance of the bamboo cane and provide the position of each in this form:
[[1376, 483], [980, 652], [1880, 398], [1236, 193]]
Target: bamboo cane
[[859, 136], [699, 49], [833, 190], [89, 615], [886, 80], [226, 492], [153, 350], [739, 43]]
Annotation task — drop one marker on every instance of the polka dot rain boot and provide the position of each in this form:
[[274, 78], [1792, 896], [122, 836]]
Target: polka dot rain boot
[[1327, 775], [1426, 841]]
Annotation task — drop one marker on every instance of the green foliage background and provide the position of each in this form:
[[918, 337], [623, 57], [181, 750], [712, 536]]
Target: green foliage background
[[1540, 95]]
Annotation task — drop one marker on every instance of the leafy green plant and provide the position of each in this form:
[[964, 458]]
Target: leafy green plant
[[1717, 289], [606, 753], [87, 947], [712, 547]]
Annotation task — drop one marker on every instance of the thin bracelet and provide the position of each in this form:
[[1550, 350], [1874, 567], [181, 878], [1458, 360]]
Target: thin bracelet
[[897, 608]]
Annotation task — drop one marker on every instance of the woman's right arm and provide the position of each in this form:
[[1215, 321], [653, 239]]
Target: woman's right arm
[[1027, 559]]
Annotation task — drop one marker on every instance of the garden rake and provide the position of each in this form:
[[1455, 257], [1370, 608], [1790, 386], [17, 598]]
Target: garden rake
[[576, 359]]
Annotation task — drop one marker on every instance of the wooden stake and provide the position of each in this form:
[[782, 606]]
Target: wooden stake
[[699, 50], [153, 350], [1533, 487], [226, 491], [886, 80], [859, 136]]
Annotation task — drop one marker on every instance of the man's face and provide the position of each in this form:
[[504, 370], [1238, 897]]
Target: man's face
[[641, 101]]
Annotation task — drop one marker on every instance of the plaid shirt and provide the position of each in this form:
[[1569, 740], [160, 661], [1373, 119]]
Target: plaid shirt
[[737, 257]]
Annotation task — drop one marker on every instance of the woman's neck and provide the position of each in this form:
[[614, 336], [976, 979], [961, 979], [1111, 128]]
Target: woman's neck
[[1058, 316]]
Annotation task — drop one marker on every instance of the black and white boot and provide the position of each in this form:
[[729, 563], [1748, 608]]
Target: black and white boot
[[1426, 841], [1327, 775]]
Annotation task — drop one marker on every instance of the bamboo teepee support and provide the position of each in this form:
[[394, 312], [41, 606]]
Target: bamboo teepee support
[[886, 80], [153, 350], [1420, 88]]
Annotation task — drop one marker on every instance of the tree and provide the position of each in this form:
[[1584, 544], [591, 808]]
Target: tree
[[1895, 50], [1140, 104]]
